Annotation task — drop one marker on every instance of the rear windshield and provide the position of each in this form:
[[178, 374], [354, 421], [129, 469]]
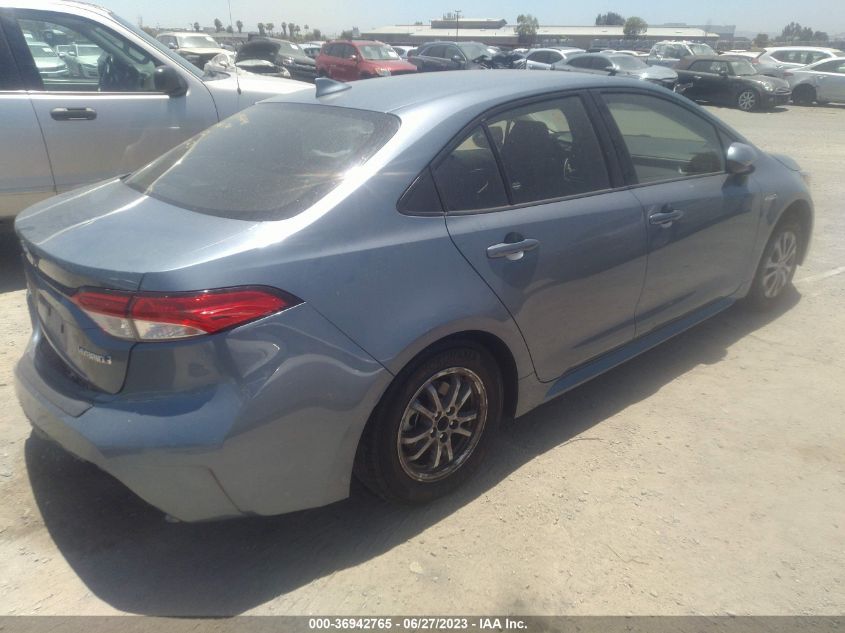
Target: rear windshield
[[269, 162]]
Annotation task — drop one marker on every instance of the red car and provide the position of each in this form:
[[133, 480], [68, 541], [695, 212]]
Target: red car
[[348, 60]]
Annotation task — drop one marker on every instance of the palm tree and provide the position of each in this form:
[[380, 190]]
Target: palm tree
[[240, 26], [270, 26], [285, 29]]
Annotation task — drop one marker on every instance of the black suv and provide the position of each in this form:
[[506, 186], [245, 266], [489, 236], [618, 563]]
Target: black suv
[[280, 53]]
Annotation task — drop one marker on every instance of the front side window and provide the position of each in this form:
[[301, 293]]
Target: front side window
[[96, 59], [580, 62], [269, 162], [665, 141], [836, 66], [742, 69], [468, 178], [549, 151], [473, 51]]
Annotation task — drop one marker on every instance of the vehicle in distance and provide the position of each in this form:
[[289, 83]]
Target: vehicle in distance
[[281, 54], [619, 65], [197, 48], [786, 57], [60, 131], [730, 80], [543, 58], [669, 53], [439, 56], [348, 60], [402, 51], [821, 82], [254, 343]]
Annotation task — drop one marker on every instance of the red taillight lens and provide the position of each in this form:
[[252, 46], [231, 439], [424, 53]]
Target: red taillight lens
[[157, 316]]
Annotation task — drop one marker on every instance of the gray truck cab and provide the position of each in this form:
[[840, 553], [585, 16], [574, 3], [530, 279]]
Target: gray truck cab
[[61, 131]]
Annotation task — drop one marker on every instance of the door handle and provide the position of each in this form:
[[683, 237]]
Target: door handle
[[512, 250], [665, 217], [73, 114]]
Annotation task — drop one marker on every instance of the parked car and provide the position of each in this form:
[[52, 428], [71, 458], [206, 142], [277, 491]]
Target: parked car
[[223, 331], [768, 68], [47, 61], [59, 132], [402, 51], [619, 65], [785, 57], [438, 56], [348, 60], [225, 63], [197, 48], [281, 54], [543, 58], [82, 60], [669, 53], [731, 81], [312, 50], [822, 82]]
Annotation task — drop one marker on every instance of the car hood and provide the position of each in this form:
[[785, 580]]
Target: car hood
[[115, 234], [655, 72], [764, 80], [202, 51]]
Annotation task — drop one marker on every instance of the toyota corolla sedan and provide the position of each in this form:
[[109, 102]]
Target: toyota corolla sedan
[[364, 279]]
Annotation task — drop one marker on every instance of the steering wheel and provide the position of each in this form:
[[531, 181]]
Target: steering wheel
[[117, 75]]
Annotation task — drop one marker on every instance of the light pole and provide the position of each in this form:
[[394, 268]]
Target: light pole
[[457, 22]]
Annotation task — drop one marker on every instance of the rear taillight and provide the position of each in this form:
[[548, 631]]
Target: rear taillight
[[151, 316]]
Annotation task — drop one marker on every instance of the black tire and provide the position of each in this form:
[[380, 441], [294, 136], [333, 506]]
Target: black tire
[[382, 463], [763, 295], [748, 100], [804, 95]]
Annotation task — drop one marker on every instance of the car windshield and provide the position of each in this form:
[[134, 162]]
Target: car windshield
[[701, 49], [377, 51], [626, 62], [197, 41], [288, 47], [473, 50], [269, 162], [40, 49], [160, 48], [88, 50], [742, 68]]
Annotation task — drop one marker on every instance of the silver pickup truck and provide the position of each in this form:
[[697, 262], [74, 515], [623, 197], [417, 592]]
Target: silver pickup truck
[[137, 100]]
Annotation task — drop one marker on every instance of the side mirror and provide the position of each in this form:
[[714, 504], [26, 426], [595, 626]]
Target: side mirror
[[458, 59], [172, 46], [723, 73], [740, 158], [353, 58], [169, 81], [611, 71]]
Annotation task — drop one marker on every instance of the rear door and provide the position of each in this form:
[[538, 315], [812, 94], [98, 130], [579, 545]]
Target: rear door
[[530, 204], [701, 220], [112, 123], [829, 79], [25, 176]]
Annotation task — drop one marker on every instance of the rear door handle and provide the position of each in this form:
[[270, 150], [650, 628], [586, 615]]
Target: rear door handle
[[512, 250], [665, 217], [73, 114]]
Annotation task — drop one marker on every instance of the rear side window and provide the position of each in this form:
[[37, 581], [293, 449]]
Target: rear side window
[[665, 141], [269, 162], [468, 178]]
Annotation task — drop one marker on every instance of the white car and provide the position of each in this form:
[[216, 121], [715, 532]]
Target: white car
[[821, 82], [58, 132], [786, 57], [544, 58], [83, 59], [198, 48]]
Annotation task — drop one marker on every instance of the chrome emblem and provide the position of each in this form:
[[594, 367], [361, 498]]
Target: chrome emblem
[[103, 359]]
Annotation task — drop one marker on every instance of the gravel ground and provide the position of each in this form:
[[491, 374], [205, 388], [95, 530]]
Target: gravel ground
[[705, 477]]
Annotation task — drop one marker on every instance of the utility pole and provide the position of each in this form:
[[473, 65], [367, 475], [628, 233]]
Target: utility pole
[[457, 22]]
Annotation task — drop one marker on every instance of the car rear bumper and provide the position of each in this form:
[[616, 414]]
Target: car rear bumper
[[278, 434]]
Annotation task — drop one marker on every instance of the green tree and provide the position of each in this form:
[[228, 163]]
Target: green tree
[[218, 25], [610, 19], [240, 26], [346, 35], [317, 34], [526, 28], [634, 27], [269, 26], [761, 41], [820, 36], [196, 26], [229, 29], [285, 29]]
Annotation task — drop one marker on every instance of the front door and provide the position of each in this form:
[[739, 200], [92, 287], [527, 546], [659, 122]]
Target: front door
[[700, 219], [829, 79], [564, 254], [113, 120]]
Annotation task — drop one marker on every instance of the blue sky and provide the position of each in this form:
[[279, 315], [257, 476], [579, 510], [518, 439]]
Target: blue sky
[[333, 15]]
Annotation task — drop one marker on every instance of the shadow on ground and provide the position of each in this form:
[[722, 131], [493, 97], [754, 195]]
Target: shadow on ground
[[11, 269], [129, 557]]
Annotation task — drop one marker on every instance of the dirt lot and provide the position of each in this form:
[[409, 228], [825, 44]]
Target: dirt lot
[[707, 476]]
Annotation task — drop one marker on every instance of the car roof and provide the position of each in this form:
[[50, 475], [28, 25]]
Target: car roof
[[468, 92], [183, 33]]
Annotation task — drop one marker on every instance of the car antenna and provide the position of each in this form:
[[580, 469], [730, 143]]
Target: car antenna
[[237, 79], [326, 86]]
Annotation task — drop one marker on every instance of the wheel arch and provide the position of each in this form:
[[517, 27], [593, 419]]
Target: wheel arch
[[801, 211]]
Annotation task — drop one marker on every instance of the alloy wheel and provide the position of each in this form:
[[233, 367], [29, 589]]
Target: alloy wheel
[[780, 265], [442, 424], [747, 100]]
